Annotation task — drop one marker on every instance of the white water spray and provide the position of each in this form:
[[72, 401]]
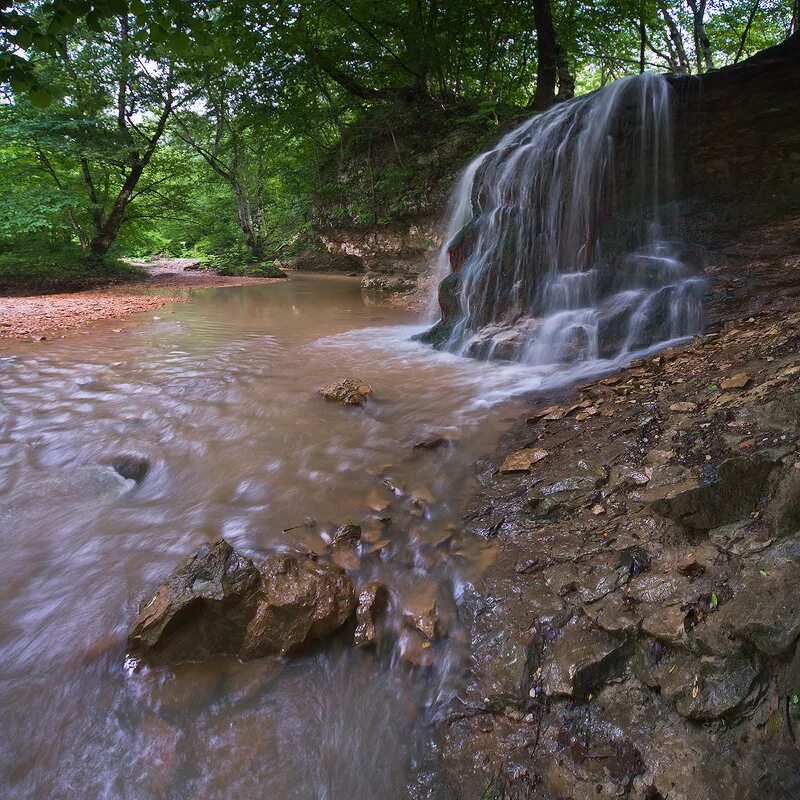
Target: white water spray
[[563, 236]]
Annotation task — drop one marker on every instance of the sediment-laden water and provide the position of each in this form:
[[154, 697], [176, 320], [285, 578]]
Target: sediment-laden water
[[219, 395]]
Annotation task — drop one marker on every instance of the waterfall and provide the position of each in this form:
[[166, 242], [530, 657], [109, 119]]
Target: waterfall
[[561, 241]]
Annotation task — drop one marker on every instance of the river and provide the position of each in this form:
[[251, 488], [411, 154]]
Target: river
[[219, 394]]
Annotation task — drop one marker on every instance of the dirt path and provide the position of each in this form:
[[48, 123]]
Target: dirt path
[[36, 316]]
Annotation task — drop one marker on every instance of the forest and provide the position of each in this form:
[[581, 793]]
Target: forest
[[221, 130]]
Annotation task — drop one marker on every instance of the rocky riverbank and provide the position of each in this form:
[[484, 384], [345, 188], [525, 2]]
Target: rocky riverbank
[[637, 635]]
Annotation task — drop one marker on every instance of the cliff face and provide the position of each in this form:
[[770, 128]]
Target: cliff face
[[738, 158], [738, 152], [395, 258], [383, 193]]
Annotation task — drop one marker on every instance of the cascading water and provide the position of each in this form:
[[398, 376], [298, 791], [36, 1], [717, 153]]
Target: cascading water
[[561, 241]]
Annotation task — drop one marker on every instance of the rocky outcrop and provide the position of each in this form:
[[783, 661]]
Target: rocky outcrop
[[738, 151], [395, 258], [639, 633], [218, 602]]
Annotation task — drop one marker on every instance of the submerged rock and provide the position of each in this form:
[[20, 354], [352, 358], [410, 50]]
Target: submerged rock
[[130, 466], [218, 602], [348, 392]]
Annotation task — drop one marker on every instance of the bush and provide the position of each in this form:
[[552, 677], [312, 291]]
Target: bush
[[63, 269]]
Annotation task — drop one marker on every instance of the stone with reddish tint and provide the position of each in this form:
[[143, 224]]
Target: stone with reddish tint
[[218, 602]]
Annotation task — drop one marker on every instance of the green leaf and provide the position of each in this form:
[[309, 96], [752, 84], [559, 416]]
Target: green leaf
[[180, 43], [40, 97], [714, 600]]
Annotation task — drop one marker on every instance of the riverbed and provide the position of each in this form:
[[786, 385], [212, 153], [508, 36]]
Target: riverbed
[[219, 395]]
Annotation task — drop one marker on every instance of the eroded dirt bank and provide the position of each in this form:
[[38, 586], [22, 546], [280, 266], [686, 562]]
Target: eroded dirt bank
[[637, 635]]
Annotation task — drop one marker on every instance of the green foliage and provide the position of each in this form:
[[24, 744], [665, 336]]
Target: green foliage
[[224, 129], [38, 268]]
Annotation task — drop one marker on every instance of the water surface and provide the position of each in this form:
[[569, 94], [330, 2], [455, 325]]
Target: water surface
[[219, 395]]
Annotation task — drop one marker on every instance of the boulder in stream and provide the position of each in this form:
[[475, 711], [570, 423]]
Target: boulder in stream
[[218, 602], [348, 392]]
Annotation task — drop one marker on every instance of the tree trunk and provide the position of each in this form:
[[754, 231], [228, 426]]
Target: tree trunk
[[674, 37], [566, 81], [245, 217], [701, 43], [108, 229], [547, 56]]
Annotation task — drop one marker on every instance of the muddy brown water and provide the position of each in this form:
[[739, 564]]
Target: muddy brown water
[[219, 395]]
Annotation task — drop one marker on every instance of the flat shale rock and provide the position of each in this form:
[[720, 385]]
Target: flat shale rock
[[580, 660]]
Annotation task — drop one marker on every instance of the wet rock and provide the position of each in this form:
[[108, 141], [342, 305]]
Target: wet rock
[[739, 381], [683, 407], [300, 602], [348, 535], [614, 615], [436, 441], [452, 313], [727, 493], [666, 624], [450, 298], [218, 602], [708, 688], [348, 392], [522, 460], [634, 560], [627, 476], [86, 482], [766, 612], [202, 609], [783, 509], [373, 603], [130, 466], [580, 660], [422, 613], [415, 649]]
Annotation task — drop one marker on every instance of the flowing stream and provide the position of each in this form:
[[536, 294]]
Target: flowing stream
[[219, 395]]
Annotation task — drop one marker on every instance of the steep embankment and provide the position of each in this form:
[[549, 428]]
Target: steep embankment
[[638, 635], [383, 194]]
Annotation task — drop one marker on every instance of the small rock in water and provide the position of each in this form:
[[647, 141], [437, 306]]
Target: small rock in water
[[348, 392], [348, 535], [130, 466], [373, 602], [522, 460], [422, 614], [435, 442]]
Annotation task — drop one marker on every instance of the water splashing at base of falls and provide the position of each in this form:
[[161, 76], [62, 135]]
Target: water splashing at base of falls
[[562, 241]]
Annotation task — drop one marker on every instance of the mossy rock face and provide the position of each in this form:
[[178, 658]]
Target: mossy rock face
[[436, 336], [450, 298]]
